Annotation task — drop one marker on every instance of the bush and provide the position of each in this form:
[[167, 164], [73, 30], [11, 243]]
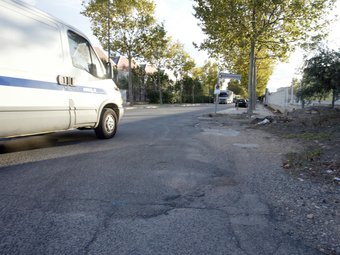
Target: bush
[[198, 99], [169, 98], [153, 97]]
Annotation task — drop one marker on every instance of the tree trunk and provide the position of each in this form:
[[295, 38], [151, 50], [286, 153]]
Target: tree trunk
[[250, 78], [159, 86], [302, 102], [181, 92], [130, 82], [143, 89], [333, 97]]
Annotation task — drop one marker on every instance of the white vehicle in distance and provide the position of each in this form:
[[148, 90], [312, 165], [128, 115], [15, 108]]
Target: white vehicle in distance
[[222, 97], [51, 79], [225, 97]]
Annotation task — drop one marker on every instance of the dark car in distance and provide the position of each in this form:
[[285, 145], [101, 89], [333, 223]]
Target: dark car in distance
[[241, 103]]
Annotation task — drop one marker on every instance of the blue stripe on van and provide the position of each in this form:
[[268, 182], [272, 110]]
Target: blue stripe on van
[[35, 84]]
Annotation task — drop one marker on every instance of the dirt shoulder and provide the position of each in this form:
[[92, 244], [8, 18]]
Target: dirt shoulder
[[317, 130], [314, 211], [304, 195]]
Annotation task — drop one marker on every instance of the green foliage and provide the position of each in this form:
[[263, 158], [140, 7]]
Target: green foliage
[[159, 53], [231, 25], [152, 90], [153, 97], [304, 158], [237, 29], [313, 154], [321, 75], [296, 84], [201, 84], [240, 65], [132, 26], [123, 83], [138, 76], [181, 63], [210, 76], [308, 136], [190, 90], [235, 86], [132, 23]]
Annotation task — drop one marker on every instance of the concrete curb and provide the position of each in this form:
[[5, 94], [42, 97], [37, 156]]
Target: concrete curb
[[260, 111], [155, 106]]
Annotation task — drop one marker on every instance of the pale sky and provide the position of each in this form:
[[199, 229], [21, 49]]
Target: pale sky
[[181, 25]]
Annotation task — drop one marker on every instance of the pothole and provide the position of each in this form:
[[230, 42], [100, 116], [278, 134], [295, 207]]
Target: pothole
[[246, 145], [221, 132]]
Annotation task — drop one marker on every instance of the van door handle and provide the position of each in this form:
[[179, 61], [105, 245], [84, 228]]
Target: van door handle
[[65, 80]]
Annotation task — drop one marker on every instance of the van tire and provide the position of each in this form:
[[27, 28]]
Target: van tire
[[108, 124]]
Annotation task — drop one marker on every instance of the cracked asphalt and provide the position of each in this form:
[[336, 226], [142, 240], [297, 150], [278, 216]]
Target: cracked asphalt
[[170, 182]]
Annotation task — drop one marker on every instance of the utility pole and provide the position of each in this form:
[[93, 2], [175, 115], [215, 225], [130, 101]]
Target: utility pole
[[108, 30], [109, 67]]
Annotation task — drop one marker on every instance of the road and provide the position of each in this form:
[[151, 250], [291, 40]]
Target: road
[[171, 181]]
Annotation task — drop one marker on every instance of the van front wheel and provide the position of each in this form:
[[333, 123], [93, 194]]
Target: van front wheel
[[108, 124]]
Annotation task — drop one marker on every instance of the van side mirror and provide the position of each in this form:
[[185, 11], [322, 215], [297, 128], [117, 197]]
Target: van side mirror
[[93, 69], [109, 70]]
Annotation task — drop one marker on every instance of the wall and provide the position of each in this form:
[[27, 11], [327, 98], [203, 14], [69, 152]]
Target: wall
[[284, 100]]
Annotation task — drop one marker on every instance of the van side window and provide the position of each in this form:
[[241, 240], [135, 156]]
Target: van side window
[[83, 56]]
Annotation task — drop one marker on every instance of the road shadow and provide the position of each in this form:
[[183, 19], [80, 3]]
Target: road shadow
[[46, 141]]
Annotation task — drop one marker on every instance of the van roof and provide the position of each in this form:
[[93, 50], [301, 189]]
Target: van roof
[[24, 5]]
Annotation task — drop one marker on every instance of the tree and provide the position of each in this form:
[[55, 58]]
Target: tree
[[160, 53], [132, 25], [192, 90], [321, 75], [210, 78], [153, 91], [181, 63], [197, 85], [263, 70], [138, 80], [274, 27], [294, 88], [235, 86]]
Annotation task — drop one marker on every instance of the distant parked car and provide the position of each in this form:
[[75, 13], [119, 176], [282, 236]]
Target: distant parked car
[[241, 103]]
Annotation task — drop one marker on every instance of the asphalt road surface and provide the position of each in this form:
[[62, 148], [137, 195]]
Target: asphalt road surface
[[170, 182]]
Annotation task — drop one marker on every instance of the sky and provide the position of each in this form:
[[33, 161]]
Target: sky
[[181, 25]]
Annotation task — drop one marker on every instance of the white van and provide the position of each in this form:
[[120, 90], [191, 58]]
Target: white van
[[51, 78]]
